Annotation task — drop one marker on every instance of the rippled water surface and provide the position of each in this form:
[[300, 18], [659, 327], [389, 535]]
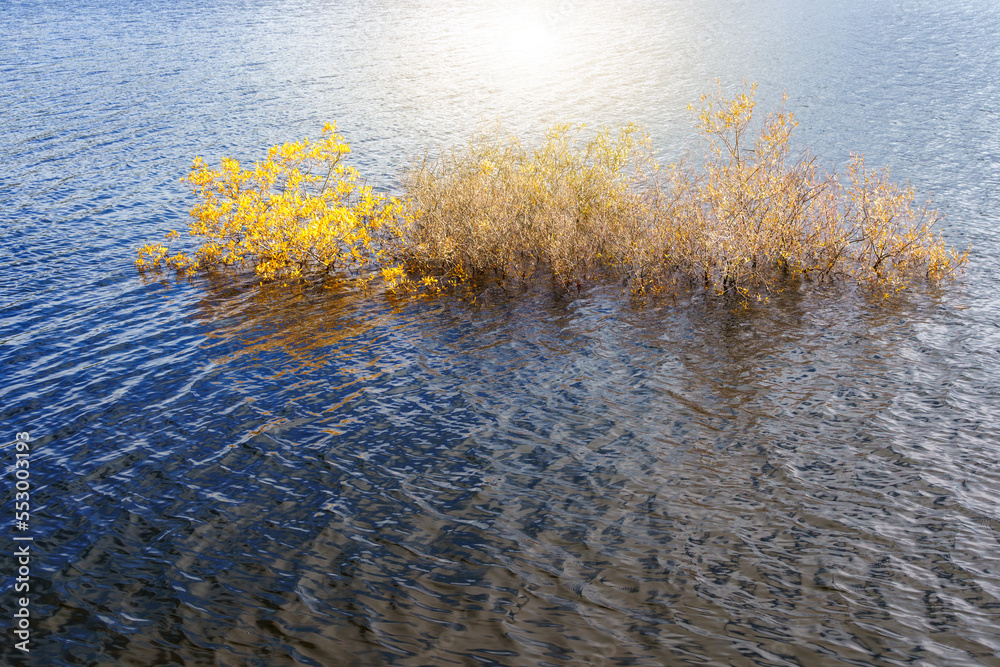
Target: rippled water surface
[[228, 475]]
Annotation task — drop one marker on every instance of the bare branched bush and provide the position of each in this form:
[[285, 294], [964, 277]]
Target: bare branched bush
[[754, 214], [749, 218], [759, 216], [494, 209]]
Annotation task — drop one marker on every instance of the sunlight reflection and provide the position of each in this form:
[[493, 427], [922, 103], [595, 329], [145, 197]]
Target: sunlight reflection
[[539, 62], [524, 40]]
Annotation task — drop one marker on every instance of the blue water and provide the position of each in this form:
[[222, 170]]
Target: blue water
[[223, 474]]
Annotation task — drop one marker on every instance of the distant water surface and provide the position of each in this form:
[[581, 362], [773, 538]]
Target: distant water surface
[[229, 475]]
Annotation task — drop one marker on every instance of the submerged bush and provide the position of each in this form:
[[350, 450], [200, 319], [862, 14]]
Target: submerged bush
[[755, 216], [299, 211], [747, 218], [495, 209]]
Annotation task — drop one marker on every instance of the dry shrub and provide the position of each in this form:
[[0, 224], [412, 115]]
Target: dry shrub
[[496, 210], [747, 220], [753, 214], [756, 216], [890, 240]]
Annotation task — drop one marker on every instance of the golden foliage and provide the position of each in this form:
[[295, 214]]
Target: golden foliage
[[300, 210]]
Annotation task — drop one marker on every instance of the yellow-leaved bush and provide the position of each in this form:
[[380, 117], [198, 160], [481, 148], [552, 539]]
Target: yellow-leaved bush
[[748, 218], [299, 211]]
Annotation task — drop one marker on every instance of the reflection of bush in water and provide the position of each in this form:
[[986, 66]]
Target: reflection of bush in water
[[296, 326]]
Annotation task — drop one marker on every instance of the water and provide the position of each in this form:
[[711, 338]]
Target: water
[[228, 475]]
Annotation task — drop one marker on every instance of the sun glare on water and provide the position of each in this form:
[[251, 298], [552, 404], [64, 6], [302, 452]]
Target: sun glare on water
[[524, 41]]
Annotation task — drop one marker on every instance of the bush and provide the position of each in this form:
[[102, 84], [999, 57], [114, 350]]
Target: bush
[[754, 216], [299, 211], [749, 218], [496, 210]]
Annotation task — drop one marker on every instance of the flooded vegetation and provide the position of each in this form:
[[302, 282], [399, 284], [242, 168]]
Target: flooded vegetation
[[302, 472], [750, 220]]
